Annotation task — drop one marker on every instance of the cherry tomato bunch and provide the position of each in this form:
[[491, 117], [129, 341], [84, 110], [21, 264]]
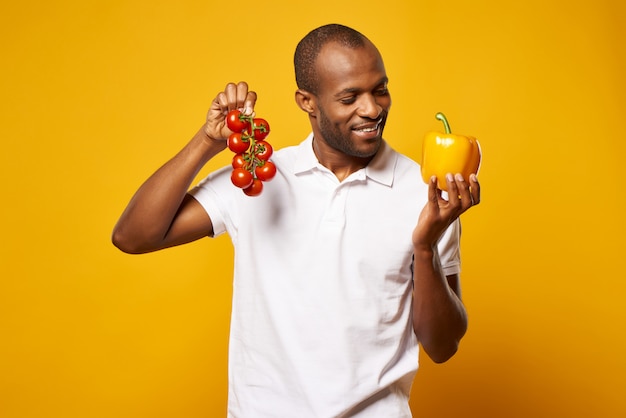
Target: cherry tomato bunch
[[251, 165]]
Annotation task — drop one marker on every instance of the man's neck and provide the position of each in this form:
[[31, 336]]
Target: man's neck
[[340, 164]]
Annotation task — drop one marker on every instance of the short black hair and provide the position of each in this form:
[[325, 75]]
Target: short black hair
[[310, 46]]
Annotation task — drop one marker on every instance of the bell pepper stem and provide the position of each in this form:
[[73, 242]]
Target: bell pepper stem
[[440, 116]]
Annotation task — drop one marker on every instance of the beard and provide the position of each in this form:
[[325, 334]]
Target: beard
[[342, 141]]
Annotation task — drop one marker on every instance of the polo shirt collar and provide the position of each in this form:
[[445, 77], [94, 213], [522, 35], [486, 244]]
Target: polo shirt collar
[[381, 169]]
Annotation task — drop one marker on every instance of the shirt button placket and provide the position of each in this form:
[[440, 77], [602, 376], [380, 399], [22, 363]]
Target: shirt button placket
[[335, 215]]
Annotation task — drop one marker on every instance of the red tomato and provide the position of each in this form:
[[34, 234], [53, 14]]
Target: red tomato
[[237, 143], [238, 161], [265, 172], [235, 122], [241, 178], [255, 188], [261, 128], [263, 150]]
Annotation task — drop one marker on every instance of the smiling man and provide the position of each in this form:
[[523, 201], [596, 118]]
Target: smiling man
[[343, 265], [341, 77]]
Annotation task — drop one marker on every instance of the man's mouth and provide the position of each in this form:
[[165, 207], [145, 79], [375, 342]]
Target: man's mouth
[[366, 128]]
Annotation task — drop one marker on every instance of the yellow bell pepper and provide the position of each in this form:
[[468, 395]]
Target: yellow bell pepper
[[447, 153]]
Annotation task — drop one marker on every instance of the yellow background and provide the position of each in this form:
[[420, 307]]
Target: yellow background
[[97, 94]]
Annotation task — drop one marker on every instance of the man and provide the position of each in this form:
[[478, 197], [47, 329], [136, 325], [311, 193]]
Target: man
[[345, 261]]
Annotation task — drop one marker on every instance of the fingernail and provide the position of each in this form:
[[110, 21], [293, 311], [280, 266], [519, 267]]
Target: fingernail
[[459, 177], [449, 178]]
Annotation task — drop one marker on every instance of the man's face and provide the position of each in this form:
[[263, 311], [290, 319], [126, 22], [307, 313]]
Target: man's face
[[352, 100]]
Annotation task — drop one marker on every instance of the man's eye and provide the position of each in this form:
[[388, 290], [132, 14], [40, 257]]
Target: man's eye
[[382, 92], [348, 100]]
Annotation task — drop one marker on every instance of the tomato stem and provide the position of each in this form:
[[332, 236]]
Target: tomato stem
[[250, 166], [440, 116]]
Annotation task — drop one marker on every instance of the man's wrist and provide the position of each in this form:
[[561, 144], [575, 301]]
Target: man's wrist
[[424, 251]]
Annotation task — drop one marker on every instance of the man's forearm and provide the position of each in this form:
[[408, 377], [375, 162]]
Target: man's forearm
[[439, 317]]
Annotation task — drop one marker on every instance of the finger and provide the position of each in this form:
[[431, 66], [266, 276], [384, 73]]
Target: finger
[[464, 191], [219, 105], [230, 94], [433, 192], [453, 190], [249, 103], [245, 98], [475, 189], [243, 101]]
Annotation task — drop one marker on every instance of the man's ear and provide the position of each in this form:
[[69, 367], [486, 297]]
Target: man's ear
[[306, 101]]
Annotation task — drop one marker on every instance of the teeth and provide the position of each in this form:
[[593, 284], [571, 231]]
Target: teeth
[[372, 129]]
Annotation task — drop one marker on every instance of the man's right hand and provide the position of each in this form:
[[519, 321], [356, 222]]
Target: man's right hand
[[234, 96]]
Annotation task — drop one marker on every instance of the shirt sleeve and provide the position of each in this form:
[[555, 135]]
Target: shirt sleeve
[[208, 193], [449, 249]]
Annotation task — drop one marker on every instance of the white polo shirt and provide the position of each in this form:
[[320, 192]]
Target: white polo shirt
[[321, 317]]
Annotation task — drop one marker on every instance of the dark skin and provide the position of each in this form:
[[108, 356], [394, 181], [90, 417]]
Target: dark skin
[[347, 117]]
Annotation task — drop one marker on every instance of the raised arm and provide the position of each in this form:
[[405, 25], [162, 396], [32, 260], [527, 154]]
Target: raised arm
[[439, 316], [161, 214]]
